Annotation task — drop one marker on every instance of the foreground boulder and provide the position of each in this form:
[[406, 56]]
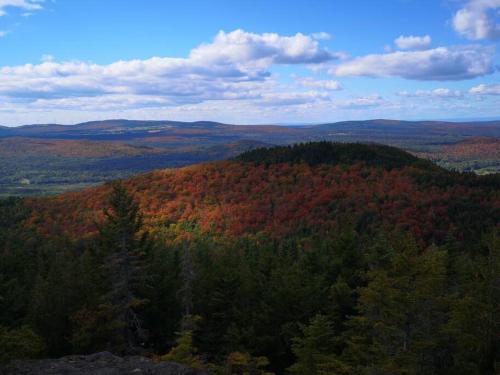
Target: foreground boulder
[[103, 363]]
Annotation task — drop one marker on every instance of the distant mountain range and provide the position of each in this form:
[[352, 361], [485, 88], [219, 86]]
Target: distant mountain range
[[133, 130], [48, 158]]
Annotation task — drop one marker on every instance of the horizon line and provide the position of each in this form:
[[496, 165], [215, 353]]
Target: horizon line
[[283, 124]]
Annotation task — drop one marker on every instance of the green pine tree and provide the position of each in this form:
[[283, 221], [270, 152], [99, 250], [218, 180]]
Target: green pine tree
[[475, 317], [122, 244], [401, 315], [314, 350]]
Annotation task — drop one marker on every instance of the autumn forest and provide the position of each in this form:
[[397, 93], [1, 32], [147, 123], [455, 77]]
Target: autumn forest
[[317, 258]]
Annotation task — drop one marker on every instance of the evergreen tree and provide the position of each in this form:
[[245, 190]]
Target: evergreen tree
[[53, 300], [184, 351], [314, 349], [163, 312], [401, 317], [93, 327], [123, 244], [475, 319], [18, 262], [186, 292]]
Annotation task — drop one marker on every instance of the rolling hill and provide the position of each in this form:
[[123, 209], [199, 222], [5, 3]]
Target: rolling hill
[[65, 148], [132, 129], [478, 154], [44, 159], [278, 190]]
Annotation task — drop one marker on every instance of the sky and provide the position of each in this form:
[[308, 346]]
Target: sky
[[248, 61]]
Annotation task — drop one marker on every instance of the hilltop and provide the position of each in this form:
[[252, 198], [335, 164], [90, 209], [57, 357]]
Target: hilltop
[[276, 190], [334, 153]]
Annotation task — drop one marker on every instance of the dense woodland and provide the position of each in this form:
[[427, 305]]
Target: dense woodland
[[311, 259]]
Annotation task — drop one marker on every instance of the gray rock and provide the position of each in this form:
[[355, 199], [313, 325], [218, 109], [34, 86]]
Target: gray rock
[[103, 363]]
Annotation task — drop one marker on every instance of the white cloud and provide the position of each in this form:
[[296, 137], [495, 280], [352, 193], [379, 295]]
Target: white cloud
[[439, 64], [436, 93], [243, 111], [235, 66], [374, 100], [229, 79], [329, 85], [293, 98], [233, 70], [478, 19], [483, 89], [413, 42], [321, 36], [260, 50], [101, 103], [29, 5]]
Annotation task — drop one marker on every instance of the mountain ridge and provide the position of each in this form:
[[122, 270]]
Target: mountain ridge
[[378, 130], [132, 123]]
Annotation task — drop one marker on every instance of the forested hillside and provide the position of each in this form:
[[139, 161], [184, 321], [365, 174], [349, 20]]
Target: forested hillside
[[478, 154], [317, 258], [48, 159]]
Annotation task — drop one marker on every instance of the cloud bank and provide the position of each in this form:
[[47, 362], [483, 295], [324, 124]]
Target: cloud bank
[[238, 74], [234, 65], [435, 93], [437, 64]]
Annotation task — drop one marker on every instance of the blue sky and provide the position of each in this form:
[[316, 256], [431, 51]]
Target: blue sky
[[68, 61]]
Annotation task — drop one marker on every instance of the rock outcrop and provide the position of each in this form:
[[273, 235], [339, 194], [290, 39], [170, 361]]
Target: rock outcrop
[[103, 363]]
